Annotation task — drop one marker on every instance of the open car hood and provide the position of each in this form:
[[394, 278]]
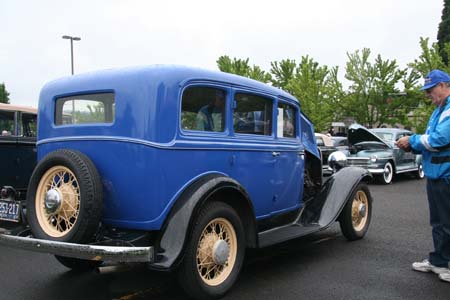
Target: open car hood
[[358, 133]]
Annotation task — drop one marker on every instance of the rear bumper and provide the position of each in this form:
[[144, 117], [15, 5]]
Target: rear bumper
[[80, 251]]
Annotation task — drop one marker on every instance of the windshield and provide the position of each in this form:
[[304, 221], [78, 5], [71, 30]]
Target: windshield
[[386, 136]]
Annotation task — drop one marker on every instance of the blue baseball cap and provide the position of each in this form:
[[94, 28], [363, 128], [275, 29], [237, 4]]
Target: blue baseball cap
[[433, 78]]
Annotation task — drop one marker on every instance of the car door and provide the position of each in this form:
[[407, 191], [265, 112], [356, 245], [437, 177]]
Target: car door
[[289, 165], [404, 160]]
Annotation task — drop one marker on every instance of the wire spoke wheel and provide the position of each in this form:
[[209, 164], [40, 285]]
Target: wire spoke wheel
[[359, 210], [354, 219], [214, 252], [212, 270], [64, 198], [62, 182]]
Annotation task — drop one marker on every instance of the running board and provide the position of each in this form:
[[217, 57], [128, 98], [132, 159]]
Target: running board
[[281, 234]]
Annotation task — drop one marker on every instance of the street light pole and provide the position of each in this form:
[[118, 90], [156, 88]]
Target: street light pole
[[71, 38]]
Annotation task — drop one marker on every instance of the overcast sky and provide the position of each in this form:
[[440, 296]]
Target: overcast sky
[[195, 33]]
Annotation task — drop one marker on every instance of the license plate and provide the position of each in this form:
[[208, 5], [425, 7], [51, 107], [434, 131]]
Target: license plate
[[9, 210]]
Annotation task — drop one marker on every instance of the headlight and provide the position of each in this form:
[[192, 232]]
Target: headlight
[[373, 158], [337, 160]]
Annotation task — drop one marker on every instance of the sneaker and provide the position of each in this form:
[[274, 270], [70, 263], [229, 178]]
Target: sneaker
[[426, 266], [445, 276]]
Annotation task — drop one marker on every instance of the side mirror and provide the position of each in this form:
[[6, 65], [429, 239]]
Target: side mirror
[[337, 160]]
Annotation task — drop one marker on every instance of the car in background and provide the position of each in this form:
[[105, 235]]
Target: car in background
[[17, 149], [326, 147], [340, 142], [375, 150]]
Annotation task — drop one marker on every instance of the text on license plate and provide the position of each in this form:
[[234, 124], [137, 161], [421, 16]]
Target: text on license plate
[[9, 210]]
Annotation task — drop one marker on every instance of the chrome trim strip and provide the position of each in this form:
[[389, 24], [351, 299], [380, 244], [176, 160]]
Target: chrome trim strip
[[376, 171], [247, 145], [81, 251]]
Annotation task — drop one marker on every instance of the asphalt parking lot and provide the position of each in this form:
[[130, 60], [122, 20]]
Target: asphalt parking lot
[[322, 266]]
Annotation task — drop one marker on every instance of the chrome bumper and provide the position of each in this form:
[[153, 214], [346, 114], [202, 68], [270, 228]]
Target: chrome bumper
[[81, 251]]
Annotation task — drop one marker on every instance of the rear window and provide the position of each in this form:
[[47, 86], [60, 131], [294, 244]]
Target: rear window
[[85, 109]]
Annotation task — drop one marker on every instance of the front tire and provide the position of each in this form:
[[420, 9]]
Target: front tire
[[357, 213], [64, 200], [388, 174], [214, 252]]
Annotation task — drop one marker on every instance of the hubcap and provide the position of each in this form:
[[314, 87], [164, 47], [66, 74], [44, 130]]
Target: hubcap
[[221, 250], [362, 209], [52, 201]]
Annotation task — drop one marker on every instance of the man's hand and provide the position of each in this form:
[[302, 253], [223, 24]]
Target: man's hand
[[403, 143]]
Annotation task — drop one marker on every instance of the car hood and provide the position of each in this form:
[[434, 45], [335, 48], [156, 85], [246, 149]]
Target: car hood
[[358, 134]]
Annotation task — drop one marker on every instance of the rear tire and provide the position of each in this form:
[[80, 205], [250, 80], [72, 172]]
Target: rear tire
[[214, 252], [354, 219], [64, 200]]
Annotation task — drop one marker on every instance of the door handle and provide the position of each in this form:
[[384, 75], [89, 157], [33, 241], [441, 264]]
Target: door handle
[[275, 153]]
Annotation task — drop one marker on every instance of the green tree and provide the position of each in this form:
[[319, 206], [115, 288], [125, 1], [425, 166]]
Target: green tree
[[372, 98], [429, 59], [4, 95], [443, 35], [241, 67], [283, 72], [315, 87]]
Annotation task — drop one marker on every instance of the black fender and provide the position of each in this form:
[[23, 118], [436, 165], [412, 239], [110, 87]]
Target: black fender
[[176, 228], [335, 192]]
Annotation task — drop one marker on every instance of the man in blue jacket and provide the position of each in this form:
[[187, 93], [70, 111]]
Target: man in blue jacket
[[435, 148]]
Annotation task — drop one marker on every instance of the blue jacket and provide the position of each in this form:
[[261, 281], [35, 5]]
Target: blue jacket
[[435, 143]]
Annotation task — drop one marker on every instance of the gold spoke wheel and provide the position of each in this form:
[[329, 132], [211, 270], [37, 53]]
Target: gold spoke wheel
[[62, 182], [213, 269], [359, 210]]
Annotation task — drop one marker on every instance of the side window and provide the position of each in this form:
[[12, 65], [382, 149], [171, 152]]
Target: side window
[[29, 125], [85, 109], [7, 123], [319, 141], [253, 114], [203, 109], [286, 124]]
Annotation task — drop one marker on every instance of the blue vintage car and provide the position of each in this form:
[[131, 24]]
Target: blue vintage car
[[180, 168]]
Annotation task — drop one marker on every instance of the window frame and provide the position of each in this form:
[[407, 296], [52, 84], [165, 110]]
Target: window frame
[[193, 132], [109, 110]]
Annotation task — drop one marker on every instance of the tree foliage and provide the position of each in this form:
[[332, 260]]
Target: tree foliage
[[312, 84], [373, 96], [429, 59], [4, 95], [380, 93], [241, 67], [443, 35]]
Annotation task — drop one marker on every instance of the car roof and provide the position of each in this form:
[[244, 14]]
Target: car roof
[[169, 73], [10, 107]]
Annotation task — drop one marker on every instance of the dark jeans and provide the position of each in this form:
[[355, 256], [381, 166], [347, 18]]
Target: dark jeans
[[438, 192]]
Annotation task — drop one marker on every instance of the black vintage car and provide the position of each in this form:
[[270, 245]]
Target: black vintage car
[[17, 150]]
